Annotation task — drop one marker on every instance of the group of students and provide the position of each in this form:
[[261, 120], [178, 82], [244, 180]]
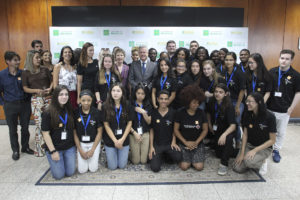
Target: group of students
[[157, 110]]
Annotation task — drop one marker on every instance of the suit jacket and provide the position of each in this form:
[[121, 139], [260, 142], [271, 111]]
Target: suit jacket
[[136, 76]]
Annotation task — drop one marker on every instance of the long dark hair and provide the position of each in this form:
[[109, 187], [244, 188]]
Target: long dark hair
[[170, 72], [55, 109], [262, 72], [109, 105], [196, 77], [175, 57], [259, 99], [231, 53], [61, 59], [146, 91], [226, 102], [83, 59]]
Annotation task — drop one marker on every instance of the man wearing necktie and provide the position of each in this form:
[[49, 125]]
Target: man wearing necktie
[[143, 70]]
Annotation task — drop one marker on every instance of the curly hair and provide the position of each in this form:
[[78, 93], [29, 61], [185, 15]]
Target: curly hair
[[190, 93]]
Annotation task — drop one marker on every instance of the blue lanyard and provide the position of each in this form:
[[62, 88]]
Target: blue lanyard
[[64, 121], [230, 76], [87, 122], [108, 80], [253, 82], [242, 67], [139, 114], [162, 82], [118, 115], [216, 111], [221, 68], [212, 83], [280, 76]]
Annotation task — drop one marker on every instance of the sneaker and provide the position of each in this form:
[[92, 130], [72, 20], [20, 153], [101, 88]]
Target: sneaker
[[264, 168], [222, 170], [276, 156]]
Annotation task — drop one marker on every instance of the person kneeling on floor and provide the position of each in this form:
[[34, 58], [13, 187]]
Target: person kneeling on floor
[[258, 137]]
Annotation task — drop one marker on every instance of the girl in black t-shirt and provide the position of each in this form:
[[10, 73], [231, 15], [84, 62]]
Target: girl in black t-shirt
[[117, 123], [221, 66], [195, 71], [221, 123], [201, 55], [183, 79], [191, 128], [209, 79], [258, 137], [57, 129], [105, 78], [139, 139], [181, 53], [88, 133], [257, 77], [87, 69], [165, 80]]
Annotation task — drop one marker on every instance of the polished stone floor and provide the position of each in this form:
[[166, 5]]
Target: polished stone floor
[[18, 178]]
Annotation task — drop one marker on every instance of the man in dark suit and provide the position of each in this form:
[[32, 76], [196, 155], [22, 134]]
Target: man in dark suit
[[142, 70]]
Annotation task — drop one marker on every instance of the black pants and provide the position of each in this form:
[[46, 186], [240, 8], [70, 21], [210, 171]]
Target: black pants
[[224, 152], [14, 111], [156, 161]]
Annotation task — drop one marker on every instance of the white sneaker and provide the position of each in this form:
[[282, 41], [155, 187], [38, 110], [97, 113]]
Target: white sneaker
[[222, 170], [264, 168]]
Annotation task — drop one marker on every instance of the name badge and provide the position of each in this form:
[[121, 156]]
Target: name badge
[[119, 132], [63, 135], [140, 130], [278, 94], [85, 138], [215, 127]]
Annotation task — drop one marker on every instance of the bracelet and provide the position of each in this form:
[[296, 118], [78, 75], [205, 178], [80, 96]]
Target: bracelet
[[51, 152]]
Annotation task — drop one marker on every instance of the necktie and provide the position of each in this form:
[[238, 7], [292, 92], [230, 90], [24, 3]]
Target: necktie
[[144, 68]]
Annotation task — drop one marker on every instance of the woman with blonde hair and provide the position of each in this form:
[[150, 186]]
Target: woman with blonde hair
[[37, 80]]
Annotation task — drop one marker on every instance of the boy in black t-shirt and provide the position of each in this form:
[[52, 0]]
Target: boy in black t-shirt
[[285, 96], [162, 139]]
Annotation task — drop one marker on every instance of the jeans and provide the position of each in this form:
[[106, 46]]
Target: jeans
[[65, 166], [238, 134], [13, 111], [116, 157]]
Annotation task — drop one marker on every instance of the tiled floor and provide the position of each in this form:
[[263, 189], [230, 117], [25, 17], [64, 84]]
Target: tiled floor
[[18, 178]]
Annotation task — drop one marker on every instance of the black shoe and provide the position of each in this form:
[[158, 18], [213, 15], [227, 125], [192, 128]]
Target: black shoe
[[27, 150], [15, 155]]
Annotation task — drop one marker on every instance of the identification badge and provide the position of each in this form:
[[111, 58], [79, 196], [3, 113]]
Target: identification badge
[[278, 94], [85, 138], [63, 135], [215, 127], [119, 132], [140, 130]]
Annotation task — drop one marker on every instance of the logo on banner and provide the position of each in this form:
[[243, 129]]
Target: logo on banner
[[138, 32], [63, 43], [187, 32], [55, 32], [205, 32], [212, 43], [156, 32], [131, 43], [105, 32], [56, 55], [229, 43], [80, 43], [236, 33], [89, 32], [181, 43], [161, 43]]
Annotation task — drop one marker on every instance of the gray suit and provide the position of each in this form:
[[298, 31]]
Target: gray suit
[[136, 76]]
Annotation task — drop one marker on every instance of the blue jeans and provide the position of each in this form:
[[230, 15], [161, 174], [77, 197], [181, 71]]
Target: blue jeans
[[116, 157], [238, 121], [66, 165]]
